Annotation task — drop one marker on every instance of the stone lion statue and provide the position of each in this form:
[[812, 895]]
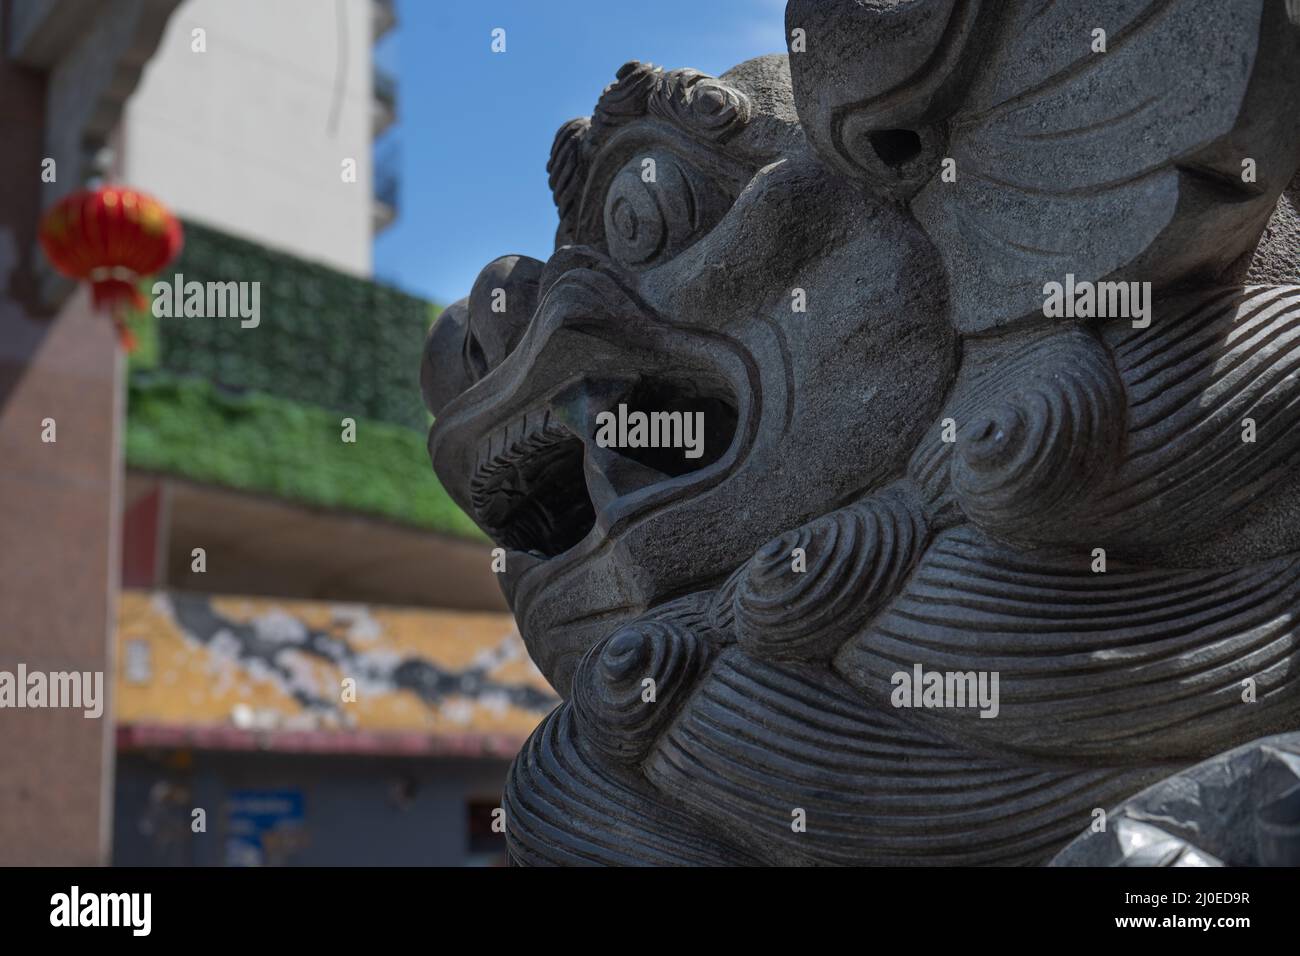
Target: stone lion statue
[[990, 542]]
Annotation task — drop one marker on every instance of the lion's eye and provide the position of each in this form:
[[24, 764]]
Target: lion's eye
[[655, 207]]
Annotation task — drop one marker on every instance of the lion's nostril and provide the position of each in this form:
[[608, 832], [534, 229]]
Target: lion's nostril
[[500, 307], [895, 147], [475, 358], [443, 374], [473, 336]]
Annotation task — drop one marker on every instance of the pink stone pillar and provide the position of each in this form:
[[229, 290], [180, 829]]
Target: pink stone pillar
[[59, 523]]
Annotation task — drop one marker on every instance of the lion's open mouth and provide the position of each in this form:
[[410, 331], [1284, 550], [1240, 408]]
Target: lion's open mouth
[[540, 482], [528, 490]]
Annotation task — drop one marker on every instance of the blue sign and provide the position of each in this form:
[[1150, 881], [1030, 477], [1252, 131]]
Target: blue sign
[[263, 826]]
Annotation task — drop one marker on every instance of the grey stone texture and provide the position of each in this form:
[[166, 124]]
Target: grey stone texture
[[912, 465]]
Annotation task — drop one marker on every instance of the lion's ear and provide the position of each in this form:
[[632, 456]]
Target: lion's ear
[[1145, 140], [874, 82]]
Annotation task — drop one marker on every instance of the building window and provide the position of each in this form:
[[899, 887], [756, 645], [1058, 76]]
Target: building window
[[138, 663]]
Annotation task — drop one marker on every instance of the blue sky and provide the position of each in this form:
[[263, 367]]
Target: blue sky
[[475, 128]]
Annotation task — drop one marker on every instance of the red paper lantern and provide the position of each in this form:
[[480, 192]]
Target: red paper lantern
[[113, 237]]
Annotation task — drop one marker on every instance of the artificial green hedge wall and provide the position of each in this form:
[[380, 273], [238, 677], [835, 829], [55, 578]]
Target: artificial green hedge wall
[[324, 337], [260, 442]]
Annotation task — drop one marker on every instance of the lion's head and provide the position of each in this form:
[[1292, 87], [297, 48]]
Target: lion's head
[[838, 261]]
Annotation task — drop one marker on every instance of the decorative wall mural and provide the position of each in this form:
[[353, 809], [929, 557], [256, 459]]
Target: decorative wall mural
[[259, 664]]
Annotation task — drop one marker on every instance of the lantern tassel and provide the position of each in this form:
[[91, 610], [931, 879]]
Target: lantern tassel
[[124, 336], [110, 292]]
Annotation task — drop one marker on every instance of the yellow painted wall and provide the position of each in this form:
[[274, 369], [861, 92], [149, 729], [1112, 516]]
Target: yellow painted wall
[[259, 663]]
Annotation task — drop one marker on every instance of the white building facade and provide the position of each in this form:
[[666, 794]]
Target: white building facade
[[257, 118]]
